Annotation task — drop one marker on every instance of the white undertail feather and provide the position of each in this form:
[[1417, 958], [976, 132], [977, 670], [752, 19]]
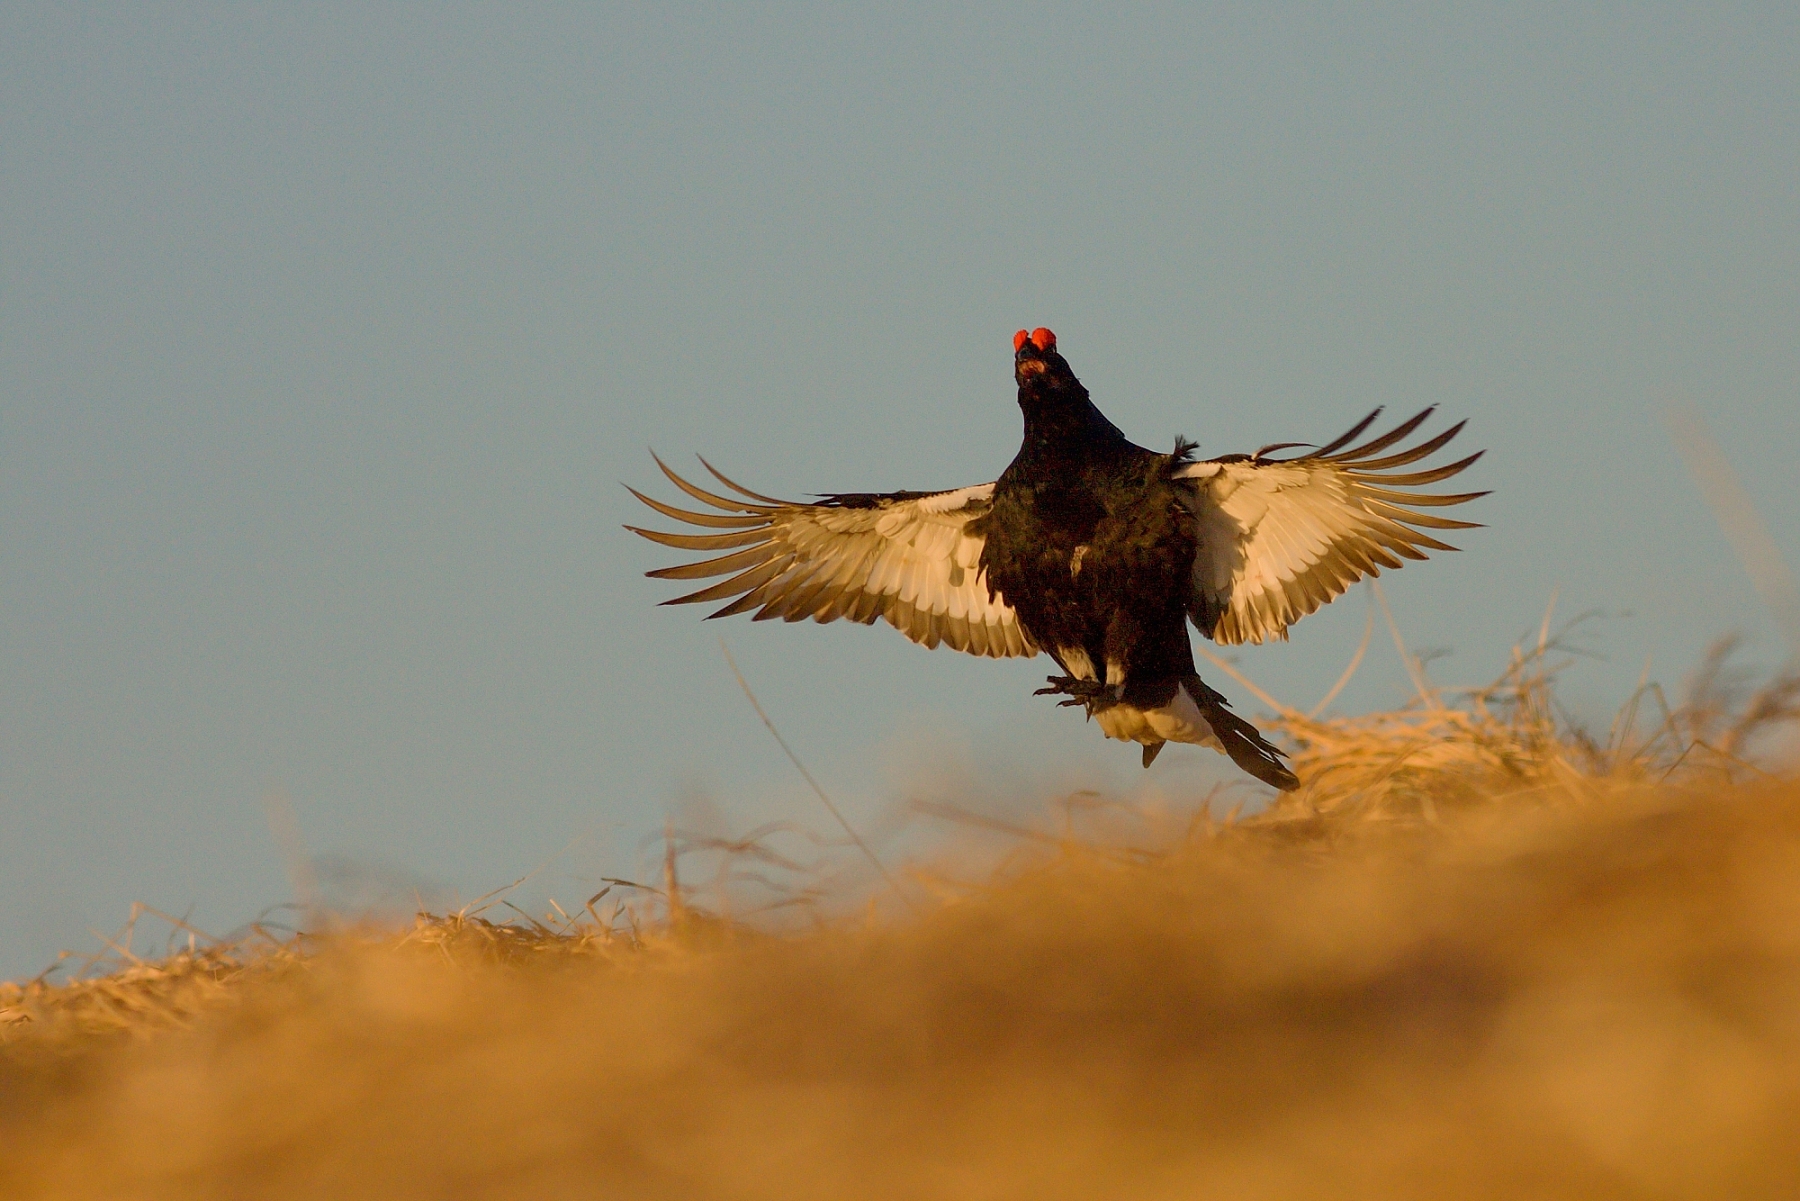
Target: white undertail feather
[[1178, 721]]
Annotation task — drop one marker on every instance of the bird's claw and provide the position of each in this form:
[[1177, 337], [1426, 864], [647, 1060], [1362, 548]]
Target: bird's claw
[[1068, 686], [1091, 694]]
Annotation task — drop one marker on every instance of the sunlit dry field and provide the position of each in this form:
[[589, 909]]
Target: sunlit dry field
[[1480, 954]]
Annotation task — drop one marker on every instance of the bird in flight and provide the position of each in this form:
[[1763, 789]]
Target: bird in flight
[[1089, 548]]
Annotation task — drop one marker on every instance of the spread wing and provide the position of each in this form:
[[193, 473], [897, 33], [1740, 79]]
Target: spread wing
[[1279, 538], [906, 557]]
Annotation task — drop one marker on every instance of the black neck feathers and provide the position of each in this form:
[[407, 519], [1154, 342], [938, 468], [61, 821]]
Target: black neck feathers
[[1061, 422]]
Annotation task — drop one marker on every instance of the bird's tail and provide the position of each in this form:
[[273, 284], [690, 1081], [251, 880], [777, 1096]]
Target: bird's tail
[[1246, 746]]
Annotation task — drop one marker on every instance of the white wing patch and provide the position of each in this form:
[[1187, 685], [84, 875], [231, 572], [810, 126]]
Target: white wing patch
[[907, 558], [1280, 538]]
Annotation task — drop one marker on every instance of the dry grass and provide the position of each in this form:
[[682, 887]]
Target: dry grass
[[1507, 744], [1481, 954]]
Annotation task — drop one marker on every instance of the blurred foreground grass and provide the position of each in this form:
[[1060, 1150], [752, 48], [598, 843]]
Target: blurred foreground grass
[[1481, 954]]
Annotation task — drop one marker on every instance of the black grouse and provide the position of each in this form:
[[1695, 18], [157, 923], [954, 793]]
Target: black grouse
[[1090, 548]]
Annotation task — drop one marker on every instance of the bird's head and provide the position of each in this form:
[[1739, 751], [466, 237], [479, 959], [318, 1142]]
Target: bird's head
[[1036, 365], [1055, 405]]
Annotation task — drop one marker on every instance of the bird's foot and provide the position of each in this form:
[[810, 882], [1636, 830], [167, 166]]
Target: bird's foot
[[1091, 694]]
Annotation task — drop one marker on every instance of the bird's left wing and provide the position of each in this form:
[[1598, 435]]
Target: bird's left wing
[[906, 557], [1280, 537]]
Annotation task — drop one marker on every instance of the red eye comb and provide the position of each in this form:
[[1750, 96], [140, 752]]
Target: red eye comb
[[1019, 340], [1043, 339]]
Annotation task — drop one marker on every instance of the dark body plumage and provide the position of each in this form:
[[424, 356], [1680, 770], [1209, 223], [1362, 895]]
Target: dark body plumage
[[1089, 541]]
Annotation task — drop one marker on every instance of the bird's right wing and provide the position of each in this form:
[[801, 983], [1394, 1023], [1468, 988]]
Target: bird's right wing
[[906, 557]]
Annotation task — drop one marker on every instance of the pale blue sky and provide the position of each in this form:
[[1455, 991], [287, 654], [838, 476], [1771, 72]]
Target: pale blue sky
[[327, 334]]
